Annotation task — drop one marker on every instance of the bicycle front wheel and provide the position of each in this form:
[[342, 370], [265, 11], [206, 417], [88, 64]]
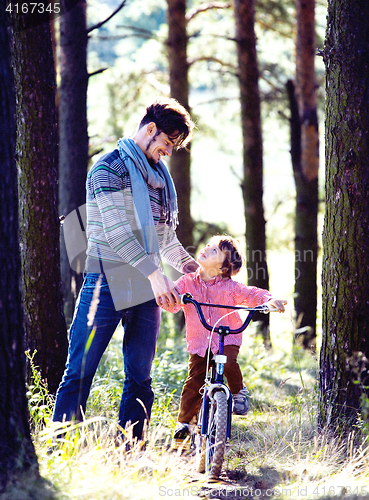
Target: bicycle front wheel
[[216, 437]]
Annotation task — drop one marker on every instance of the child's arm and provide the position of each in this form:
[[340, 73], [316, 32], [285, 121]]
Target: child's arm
[[252, 296]]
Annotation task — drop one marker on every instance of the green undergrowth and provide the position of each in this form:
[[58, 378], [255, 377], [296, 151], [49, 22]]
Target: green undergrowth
[[275, 451]]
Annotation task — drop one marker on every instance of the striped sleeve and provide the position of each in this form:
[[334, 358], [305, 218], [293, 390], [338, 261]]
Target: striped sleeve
[[174, 253]]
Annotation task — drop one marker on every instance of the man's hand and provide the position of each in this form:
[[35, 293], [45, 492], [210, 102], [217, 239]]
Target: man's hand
[[276, 304], [165, 291]]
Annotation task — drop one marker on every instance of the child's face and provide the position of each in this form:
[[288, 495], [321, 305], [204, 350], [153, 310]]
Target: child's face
[[211, 257]]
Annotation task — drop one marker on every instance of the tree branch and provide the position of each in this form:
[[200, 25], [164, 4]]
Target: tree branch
[[97, 72], [210, 59], [92, 154], [98, 25], [197, 34], [217, 99], [204, 7], [271, 27], [140, 31]]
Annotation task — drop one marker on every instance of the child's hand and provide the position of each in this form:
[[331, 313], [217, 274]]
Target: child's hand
[[274, 304], [169, 308]]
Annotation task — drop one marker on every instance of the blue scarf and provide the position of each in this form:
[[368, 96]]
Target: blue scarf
[[142, 174]]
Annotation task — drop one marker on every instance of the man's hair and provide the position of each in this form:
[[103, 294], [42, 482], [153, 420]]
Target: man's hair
[[171, 118], [234, 258]]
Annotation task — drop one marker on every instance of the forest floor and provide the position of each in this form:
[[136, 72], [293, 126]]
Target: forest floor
[[275, 451]]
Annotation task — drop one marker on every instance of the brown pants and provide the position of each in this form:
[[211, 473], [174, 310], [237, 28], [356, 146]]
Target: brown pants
[[191, 397]]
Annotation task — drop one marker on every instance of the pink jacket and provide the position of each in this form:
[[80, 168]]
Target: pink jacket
[[217, 291]]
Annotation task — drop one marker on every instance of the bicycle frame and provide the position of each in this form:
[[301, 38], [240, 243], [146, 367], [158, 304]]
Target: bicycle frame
[[220, 359], [216, 412]]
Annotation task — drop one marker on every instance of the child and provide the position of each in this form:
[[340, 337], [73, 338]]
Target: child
[[212, 282]]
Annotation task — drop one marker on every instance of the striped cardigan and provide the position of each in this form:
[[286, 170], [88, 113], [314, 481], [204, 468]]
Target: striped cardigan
[[112, 232]]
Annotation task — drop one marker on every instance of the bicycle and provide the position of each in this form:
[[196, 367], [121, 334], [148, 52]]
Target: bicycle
[[215, 415]]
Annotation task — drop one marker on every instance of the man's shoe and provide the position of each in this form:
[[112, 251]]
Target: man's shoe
[[181, 437], [241, 402]]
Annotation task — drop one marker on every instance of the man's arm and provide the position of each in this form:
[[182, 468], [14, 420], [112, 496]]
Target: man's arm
[[173, 251], [165, 291]]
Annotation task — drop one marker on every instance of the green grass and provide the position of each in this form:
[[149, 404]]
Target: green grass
[[275, 451]]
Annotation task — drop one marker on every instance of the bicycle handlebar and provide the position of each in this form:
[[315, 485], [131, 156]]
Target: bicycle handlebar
[[187, 298]]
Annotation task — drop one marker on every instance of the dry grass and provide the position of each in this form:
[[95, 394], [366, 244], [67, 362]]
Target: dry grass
[[88, 464], [274, 453], [282, 454]]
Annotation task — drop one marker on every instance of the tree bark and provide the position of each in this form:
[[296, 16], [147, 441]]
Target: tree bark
[[343, 379], [36, 152], [180, 162], [73, 137], [306, 176], [17, 455], [252, 187]]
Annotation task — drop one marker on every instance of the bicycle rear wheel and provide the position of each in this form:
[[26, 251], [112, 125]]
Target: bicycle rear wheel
[[213, 447]]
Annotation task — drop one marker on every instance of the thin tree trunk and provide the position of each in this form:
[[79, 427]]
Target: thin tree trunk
[[180, 162], [17, 455], [73, 137], [306, 176], [252, 187], [343, 379], [37, 153]]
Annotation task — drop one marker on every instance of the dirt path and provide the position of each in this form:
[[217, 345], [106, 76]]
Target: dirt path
[[232, 484]]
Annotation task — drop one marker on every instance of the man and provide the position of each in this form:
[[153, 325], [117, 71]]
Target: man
[[131, 219]]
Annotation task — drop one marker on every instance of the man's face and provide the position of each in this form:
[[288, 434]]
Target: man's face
[[158, 145]]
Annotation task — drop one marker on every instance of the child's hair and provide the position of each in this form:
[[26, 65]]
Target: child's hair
[[234, 258]]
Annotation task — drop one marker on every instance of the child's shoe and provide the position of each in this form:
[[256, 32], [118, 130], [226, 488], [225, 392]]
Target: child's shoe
[[241, 402], [181, 436]]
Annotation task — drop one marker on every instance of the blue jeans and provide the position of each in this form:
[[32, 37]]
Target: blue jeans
[[87, 344]]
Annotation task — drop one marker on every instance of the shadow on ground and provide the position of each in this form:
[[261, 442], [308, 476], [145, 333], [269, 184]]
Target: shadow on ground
[[236, 484]]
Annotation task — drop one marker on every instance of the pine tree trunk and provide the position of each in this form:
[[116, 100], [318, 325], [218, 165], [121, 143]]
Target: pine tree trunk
[[73, 137], [252, 188], [306, 176], [36, 152], [180, 162], [345, 344], [17, 455]]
